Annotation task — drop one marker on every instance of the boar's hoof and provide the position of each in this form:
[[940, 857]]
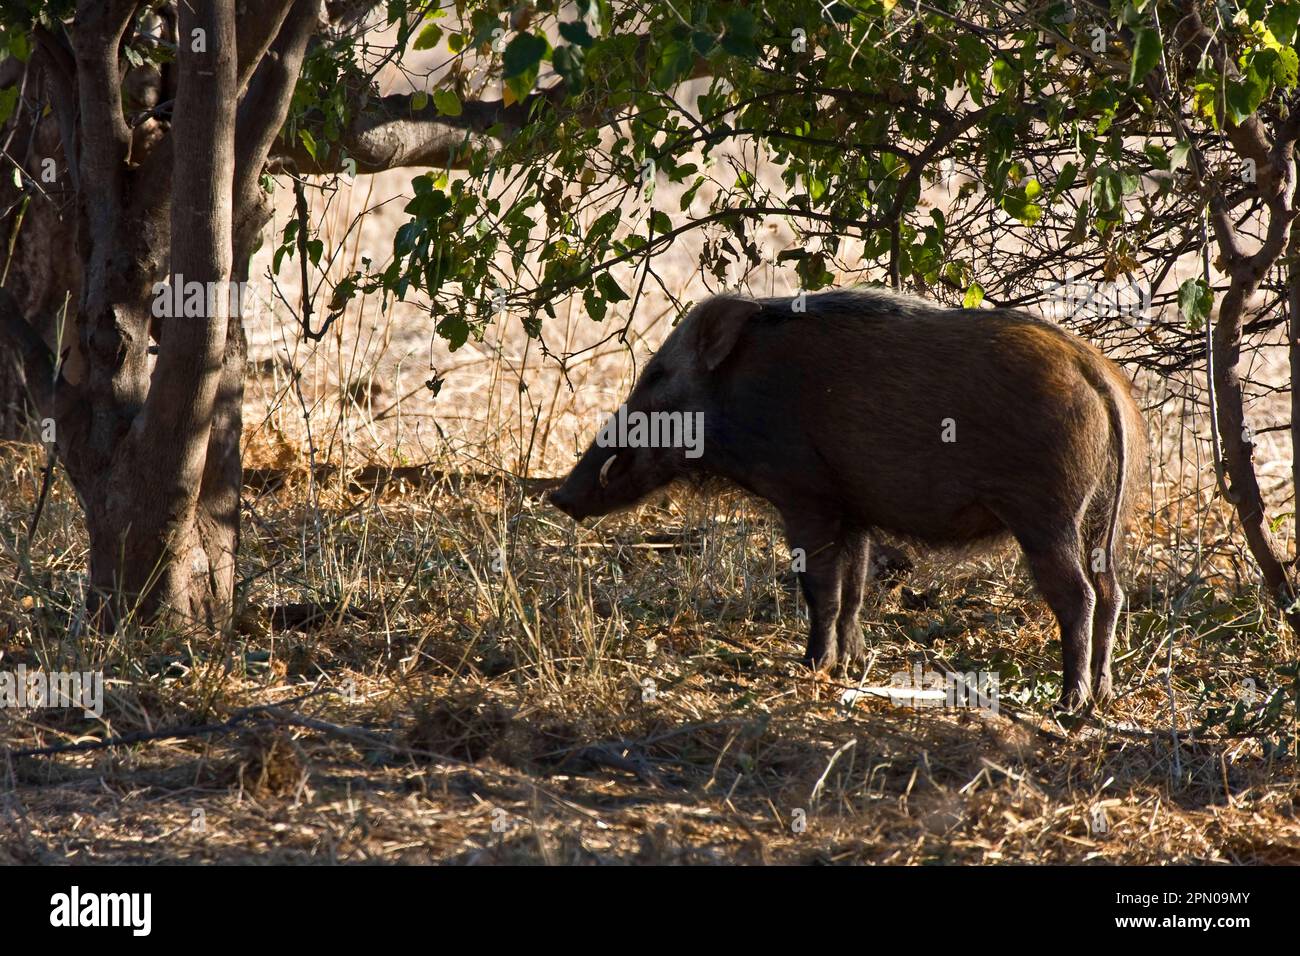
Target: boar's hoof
[[1102, 693], [823, 661], [1074, 701], [851, 645]]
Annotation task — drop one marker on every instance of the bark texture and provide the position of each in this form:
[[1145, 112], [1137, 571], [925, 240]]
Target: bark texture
[[157, 181]]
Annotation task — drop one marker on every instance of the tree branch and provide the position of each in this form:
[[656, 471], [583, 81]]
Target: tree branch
[[259, 24], [265, 104], [1250, 138], [263, 110], [105, 136], [1275, 177], [59, 69], [389, 134]]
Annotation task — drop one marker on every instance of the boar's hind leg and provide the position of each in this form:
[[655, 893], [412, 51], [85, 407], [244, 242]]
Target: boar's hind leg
[[818, 553], [1110, 596], [857, 548], [1058, 570]]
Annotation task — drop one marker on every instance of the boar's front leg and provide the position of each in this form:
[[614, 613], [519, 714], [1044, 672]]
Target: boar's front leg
[[819, 557]]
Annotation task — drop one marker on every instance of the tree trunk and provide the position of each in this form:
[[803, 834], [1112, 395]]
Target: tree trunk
[[37, 232], [1239, 455], [1293, 359], [163, 532], [162, 551], [152, 446]]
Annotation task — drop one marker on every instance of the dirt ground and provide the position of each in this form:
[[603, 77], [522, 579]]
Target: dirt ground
[[443, 670]]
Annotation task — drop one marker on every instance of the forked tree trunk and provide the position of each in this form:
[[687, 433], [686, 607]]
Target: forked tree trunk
[[152, 447], [152, 542], [162, 495]]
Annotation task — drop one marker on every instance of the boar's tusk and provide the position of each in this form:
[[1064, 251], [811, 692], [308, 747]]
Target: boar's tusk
[[604, 471]]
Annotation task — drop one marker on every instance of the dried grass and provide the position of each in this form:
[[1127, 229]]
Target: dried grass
[[506, 688], [499, 711]]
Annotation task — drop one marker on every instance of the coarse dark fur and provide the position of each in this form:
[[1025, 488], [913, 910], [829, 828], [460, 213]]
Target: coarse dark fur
[[869, 411]]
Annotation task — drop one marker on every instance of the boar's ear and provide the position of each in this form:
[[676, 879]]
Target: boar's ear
[[719, 322]]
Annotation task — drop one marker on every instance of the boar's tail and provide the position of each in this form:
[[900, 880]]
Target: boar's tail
[[1117, 404], [1119, 435]]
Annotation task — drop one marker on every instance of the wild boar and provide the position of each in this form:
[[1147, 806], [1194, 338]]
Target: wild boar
[[858, 412]]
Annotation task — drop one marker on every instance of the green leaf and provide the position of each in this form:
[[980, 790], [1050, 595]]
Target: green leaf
[[8, 100], [1282, 20], [1004, 75], [1146, 54], [1178, 156], [1286, 67], [1107, 192], [524, 54], [609, 289], [419, 100], [688, 197], [1069, 172], [521, 62], [447, 102], [455, 330], [739, 37], [1245, 94], [973, 297], [596, 306], [428, 37], [1019, 202], [575, 31], [1194, 300], [308, 143], [17, 45], [568, 62], [676, 61]]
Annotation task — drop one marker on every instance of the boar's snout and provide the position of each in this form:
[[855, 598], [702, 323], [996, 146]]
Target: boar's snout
[[582, 493], [566, 499]]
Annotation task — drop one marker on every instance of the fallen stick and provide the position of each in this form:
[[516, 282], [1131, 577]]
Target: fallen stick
[[238, 720]]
